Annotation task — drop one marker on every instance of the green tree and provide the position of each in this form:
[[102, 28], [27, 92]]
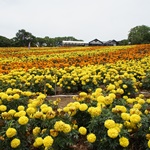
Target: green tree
[[139, 35], [5, 42], [123, 42], [23, 38]]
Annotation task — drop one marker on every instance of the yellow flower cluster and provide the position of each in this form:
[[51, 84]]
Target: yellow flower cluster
[[113, 128], [46, 142], [94, 111], [62, 127]]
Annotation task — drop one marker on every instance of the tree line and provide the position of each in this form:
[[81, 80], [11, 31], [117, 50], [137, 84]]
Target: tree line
[[137, 35], [24, 39]]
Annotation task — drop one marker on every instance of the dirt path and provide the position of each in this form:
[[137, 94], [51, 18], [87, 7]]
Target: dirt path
[[65, 99]]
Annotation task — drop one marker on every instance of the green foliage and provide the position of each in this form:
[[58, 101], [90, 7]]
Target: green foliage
[[123, 42], [146, 81], [23, 38], [5, 42], [139, 35]]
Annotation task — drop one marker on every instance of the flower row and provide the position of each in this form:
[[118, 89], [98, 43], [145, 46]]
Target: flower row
[[60, 58], [122, 77], [101, 120]]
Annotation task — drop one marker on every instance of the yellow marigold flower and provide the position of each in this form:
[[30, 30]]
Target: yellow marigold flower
[[146, 111], [43, 106], [148, 136], [135, 118], [125, 116], [120, 91], [135, 111], [30, 110], [138, 106], [48, 141], [124, 86], [120, 81], [11, 132], [3, 108], [101, 99], [38, 114], [20, 113], [130, 100], [82, 130], [59, 125], [20, 108], [123, 141], [83, 94], [125, 97], [46, 109], [119, 108], [4, 96], [83, 107], [53, 132], [50, 114], [23, 120], [16, 96], [94, 111], [11, 112], [28, 93], [15, 143], [76, 104], [141, 101], [38, 142], [5, 115], [148, 100], [43, 131], [9, 91], [36, 131], [148, 143], [109, 124], [41, 96], [91, 137], [112, 133], [141, 95], [66, 109], [98, 90], [67, 128], [112, 95], [127, 124], [2, 138], [110, 87], [108, 100]]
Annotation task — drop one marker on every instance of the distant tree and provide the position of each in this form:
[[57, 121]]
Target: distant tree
[[139, 35], [5, 42], [23, 38], [124, 42], [49, 41], [39, 41], [58, 40]]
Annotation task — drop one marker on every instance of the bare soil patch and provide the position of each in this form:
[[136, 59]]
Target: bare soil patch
[[65, 99]]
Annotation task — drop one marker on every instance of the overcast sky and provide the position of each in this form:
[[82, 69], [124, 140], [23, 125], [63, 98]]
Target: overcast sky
[[82, 19]]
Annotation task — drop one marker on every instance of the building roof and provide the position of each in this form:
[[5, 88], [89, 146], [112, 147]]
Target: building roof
[[96, 41]]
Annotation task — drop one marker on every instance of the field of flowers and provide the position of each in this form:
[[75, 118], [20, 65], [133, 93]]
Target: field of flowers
[[111, 110]]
